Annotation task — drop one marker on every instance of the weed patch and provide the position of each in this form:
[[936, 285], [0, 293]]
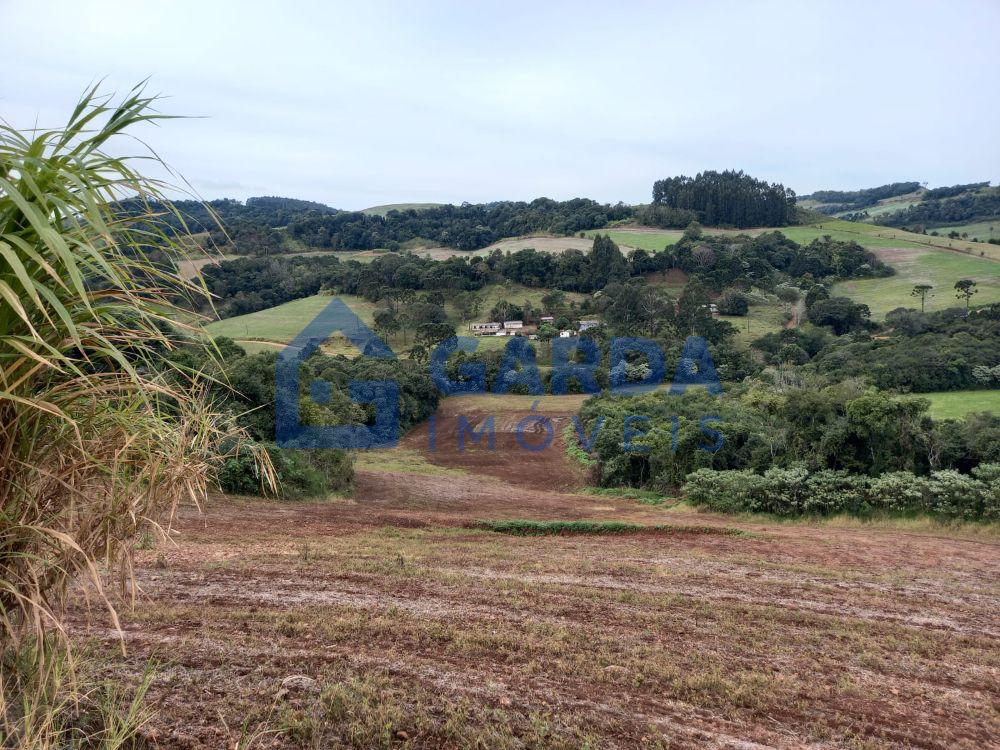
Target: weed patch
[[518, 527]]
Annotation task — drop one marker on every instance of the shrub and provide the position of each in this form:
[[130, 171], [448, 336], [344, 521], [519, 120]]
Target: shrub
[[726, 491], [989, 474], [956, 495], [790, 492], [304, 473], [733, 302], [298, 473], [896, 490], [785, 491], [95, 440], [836, 491]]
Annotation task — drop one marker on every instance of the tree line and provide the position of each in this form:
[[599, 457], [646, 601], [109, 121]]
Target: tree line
[[249, 284], [464, 227]]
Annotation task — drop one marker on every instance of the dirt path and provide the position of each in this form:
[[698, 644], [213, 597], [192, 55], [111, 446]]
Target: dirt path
[[383, 620]]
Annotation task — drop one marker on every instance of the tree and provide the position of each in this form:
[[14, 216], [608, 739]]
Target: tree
[[553, 301], [504, 310], [733, 302], [815, 294], [840, 313], [607, 263], [468, 305], [430, 334], [692, 231], [964, 289], [387, 322], [693, 307], [922, 291]]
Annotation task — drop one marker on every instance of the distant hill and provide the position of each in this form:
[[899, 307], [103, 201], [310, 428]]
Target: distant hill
[[383, 210], [968, 211], [832, 202]]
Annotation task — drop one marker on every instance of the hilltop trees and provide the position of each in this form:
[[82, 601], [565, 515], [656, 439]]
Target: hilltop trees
[[727, 198], [465, 227]]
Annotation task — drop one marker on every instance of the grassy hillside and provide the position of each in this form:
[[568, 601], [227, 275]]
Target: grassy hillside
[[981, 230], [383, 210], [956, 404], [868, 235], [278, 325], [268, 329], [924, 266]]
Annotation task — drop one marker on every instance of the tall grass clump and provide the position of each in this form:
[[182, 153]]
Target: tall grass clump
[[98, 437]]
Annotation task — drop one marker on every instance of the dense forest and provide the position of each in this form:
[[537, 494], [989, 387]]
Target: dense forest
[[730, 198], [950, 191]]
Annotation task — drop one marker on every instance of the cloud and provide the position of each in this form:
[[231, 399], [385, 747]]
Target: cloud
[[357, 104]]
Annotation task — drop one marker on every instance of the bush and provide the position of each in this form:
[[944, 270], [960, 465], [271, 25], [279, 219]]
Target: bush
[[896, 491], [837, 491], [785, 491], [298, 473], [791, 492], [989, 474], [726, 491], [733, 302], [956, 495]]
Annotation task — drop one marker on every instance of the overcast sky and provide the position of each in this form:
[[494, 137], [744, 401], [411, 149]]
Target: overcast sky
[[363, 103]]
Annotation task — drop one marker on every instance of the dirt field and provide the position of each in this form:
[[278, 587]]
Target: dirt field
[[383, 620]]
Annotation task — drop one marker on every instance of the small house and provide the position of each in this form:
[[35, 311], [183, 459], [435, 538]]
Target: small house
[[484, 329]]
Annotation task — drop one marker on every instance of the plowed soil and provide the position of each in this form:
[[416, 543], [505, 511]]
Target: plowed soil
[[384, 620]]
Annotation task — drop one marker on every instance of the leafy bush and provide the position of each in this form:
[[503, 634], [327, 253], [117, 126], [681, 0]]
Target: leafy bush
[[989, 474], [790, 492], [298, 474], [896, 491], [733, 302], [950, 493], [836, 491]]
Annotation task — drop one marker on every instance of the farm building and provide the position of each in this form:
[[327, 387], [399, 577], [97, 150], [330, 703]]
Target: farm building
[[484, 328], [586, 325]]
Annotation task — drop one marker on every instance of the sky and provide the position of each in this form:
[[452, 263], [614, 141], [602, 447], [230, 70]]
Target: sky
[[359, 104]]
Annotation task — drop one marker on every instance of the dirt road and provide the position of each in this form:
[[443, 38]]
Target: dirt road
[[382, 620]]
